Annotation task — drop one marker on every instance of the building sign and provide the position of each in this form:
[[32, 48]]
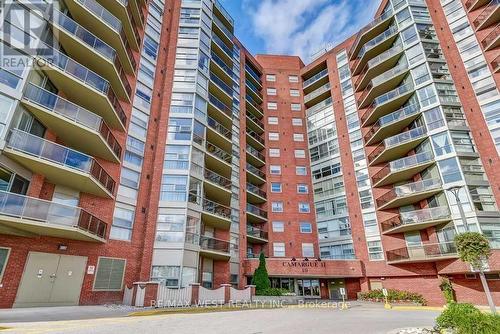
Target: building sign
[[304, 265]]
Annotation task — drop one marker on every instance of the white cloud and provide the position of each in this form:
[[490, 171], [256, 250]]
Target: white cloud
[[301, 27]]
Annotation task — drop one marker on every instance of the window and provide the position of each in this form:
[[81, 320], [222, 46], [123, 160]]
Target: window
[[294, 92], [307, 250], [293, 78], [442, 143], [278, 227], [375, 250], [295, 107], [277, 206], [275, 169], [170, 228], [123, 221], [304, 207], [109, 274], [271, 91], [297, 121], [173, 188], [450, 170], [298, 137], [276, 187], [168, 275], [427, 96], [302, 188], [272, 120], [301, 170], [278, 249], [300, 153], [305, 228], [4, 256], [271, 77], [274, 152], [274, 136], [272, 105], [176, 157]]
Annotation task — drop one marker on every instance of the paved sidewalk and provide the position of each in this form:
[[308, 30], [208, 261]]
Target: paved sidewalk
[[36, 314]]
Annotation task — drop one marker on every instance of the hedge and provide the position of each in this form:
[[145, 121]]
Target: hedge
[[467, 319], [393, 296]]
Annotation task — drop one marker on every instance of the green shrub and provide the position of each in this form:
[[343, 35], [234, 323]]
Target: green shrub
[[271, 292], [467, 319], [260, 277], [393, 296], [447, 288]]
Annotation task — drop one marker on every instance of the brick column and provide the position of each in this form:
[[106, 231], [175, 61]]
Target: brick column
[[227, 292], [151, 294], [252, 291], [195, 293]]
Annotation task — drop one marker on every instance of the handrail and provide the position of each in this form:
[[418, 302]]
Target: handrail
[[409, 189], [422, 252], [393, 117], [257, 232], [256, 210], [256, 171], [255, 153], [377, 20], [315, 77], [256, 190], [416, 217], [210, 206]]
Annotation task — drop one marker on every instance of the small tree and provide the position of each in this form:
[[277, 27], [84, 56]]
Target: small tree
[[473, 248], [447, 288], [260, 276]]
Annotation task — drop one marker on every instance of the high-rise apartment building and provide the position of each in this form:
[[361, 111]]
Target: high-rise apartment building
[[140, 141]]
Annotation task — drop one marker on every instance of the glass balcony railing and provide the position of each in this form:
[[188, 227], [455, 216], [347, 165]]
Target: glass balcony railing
[[403, 164], [218, 152], [219, 128], [60, 155], [424, 252], [255, 153], [256, 171], [384, 77], [378, 60], [212, 244], [255, 136], [221, 84], [220, 105], [256, 120], [316, 77], [257, 233], [384, 16], [222, 27], [56, 104], [217, 179], [254, 89], [409, 189], [494, 35], [317, 107], [211, 207], [256, 210], [253, 74], [254, 104], [224, 12], [392, 118], [41, 212], [228, 70], [256, 190], [377, 40], [383, 99], [493, 6], [102, 13], [220, 43], [317, 92], [416, 217], [405, 137]]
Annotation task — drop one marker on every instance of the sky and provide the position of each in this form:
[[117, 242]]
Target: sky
[[297, 27]]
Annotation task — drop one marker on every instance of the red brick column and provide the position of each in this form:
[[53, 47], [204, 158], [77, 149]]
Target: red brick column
[[227, 292], [252, 290], [195, 293], [151, 295]]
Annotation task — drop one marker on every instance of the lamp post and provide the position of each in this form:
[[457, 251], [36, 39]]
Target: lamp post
[[455, 191]]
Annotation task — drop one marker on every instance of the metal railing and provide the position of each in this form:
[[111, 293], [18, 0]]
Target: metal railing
[[254, 104], [417, 217], [409, 189], [325, 88], [256, 190], [212, 244], [220, 105], [422, 252], [491, 37], [221, 84], [256, 120], [256, 171], [402, 164], [370, 25], [377, 40], [220, 43], [222, 64], [382, 99], [391, 118], [211, 206], [381, 78], [72, 112], [485, 14], [315, 77], [102, 13], [219, 128], [255, 153], [255, 136], [217, 179], [46, 212], [218, 152], [253, 74], [377, 60], [256, 210], [51, 152], [396, 140], [257, 233]]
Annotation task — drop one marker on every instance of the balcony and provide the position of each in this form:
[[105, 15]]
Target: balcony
[[403, 169], [255, 157], [80, 84], [255, 195], [218, 159], [106, 26], [475, 4], [375, 66], [398, 145], [255, 214], [222, 49], [218, 134], [409, 193], [90, 51], [371, 30], [253, 91], [220, 89], [315, 81], [317, 107], [213, 214], [33, 217], [492, 40], [76, 126], [253, 75], [222, 69], [254, 123], [123, 11], [255, 140], [254, 107], [422, 253], [391, 124], [255, 175], [375, 47], [416, 220], [213, 248], [220, 107], [489, 16], [387, 103], [221, 30], [217, 187], [59, 164], [219, 9], [383, 83], [256, 235], [495, 64], [317, 95]]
